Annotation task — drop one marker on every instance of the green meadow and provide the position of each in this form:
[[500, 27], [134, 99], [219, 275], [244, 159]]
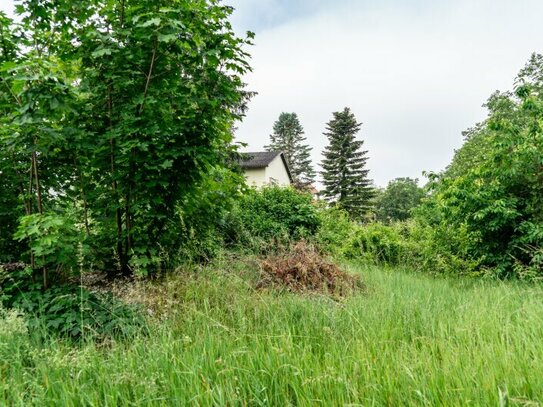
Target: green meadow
[[406, 339]]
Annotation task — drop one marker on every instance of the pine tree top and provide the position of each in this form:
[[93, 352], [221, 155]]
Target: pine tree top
[[288, 137], [345, 177]]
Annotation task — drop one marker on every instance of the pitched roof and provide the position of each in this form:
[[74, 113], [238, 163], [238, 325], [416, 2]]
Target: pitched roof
[[258, 159], [261, 159]]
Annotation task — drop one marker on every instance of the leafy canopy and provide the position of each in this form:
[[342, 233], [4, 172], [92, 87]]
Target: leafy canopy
[[493, 189], [399, 198], [113, 112]]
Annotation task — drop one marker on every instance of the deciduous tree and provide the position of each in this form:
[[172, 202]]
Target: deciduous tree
[[115, 111], [493, 190], [398, 199]]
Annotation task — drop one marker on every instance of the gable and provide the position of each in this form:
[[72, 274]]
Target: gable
[[277, 172], [265, 168]]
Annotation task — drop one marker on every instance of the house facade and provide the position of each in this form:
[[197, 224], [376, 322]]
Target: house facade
[[266, 168]]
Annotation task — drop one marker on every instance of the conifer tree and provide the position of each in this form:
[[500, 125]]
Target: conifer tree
[[288, 137], [345, 176]]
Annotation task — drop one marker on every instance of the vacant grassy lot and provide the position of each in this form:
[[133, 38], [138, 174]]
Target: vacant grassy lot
[[410, 339]]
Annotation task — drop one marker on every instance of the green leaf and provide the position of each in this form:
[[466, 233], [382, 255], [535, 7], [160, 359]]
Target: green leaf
[[153, 21], [167, 37], [167, 164], [100, 52], [17, 86], [7, 66]]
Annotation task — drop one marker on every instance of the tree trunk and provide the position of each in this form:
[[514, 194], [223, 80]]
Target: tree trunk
[[123, 258], [45, 273]]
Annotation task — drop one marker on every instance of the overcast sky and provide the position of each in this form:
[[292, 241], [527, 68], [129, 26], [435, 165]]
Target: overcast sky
[[414, 72]]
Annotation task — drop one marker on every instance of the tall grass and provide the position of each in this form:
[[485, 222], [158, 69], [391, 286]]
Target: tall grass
[[409, 339]]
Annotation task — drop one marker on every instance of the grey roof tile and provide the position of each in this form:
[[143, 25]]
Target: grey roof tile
[[257, 159]]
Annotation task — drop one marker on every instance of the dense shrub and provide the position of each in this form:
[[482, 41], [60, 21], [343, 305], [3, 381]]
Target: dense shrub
[[492, 193], [67, 310], [376, 243], [483, 215], [76, 313], [201, 216], [271, 215], [336, 228], [413, 243]]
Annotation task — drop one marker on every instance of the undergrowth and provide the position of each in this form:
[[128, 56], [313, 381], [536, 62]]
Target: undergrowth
[[66, 310], [410, 339]]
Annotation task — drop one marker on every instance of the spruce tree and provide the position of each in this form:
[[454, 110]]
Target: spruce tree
[[345, 176], [288, 137]]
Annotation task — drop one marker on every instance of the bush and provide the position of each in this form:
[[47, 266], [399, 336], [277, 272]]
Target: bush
[[336, 228], [534, 269], [56, 240], [376, 243], [201, 215], [491, 195], [69, 311], [414, 243], [271, 215], [76, 313]]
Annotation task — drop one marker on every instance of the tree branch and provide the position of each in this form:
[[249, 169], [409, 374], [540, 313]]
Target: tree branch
[[149, 75]]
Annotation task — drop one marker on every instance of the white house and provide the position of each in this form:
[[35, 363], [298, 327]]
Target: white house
[[266, 168]]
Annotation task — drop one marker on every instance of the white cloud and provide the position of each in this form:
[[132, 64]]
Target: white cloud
[[416, 77]]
